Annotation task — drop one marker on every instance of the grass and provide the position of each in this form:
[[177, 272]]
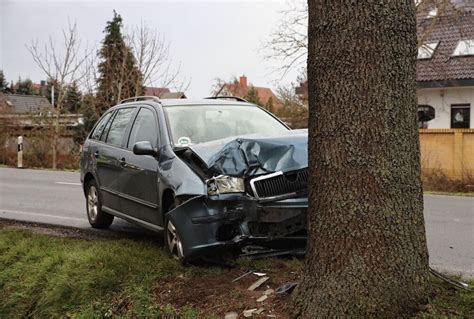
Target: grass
[[46, 276], [43, 276]]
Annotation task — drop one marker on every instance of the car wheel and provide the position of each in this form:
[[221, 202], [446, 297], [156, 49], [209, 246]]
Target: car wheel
[[97, 218], [173, 241]]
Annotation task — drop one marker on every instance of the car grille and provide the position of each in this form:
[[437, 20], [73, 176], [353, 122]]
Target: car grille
[[280, 184]]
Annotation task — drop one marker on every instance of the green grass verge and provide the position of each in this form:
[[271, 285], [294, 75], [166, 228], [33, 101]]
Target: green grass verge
[[50, 277]]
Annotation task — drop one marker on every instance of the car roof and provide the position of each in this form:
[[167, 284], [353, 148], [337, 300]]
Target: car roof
[[183, 102]]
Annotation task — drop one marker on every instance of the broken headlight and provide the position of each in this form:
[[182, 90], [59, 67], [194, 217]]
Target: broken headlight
[[225, 184]]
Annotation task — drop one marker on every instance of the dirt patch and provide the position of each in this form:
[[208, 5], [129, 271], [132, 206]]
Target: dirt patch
[[70, 232], [216, 294]]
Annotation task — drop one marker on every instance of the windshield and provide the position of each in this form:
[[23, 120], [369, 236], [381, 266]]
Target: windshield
[[193, 124]]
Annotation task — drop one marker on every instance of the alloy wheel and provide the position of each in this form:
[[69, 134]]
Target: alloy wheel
[[175, 245], [92, 203]]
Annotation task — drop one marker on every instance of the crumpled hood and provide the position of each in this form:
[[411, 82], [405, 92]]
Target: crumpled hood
[[255, 154]]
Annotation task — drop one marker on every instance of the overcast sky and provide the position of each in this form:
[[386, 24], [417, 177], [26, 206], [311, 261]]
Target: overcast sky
[[209, 38]]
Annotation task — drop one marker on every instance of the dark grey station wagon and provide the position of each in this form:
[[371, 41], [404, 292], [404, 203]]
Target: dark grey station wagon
[[213, 173]]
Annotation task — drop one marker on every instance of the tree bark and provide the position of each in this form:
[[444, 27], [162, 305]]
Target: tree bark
[[366, 254]]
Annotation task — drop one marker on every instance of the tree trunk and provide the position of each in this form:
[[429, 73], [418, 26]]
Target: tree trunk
[[366, 254], [55, 139]]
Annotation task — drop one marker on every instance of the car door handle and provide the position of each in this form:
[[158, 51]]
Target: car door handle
[[96, 154], [122, 162]]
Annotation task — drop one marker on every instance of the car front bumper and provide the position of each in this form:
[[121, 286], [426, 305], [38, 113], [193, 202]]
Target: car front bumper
[[210, 224]]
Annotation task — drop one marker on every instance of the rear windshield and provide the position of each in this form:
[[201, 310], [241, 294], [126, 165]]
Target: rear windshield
[[194, 124]]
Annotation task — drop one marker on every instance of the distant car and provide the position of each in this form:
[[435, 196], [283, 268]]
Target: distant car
[[212, 173]]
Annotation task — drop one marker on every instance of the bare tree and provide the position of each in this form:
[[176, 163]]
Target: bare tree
[[289, 40], [152, 52], [63, 64]]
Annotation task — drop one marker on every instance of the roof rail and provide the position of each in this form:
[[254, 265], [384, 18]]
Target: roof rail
[[140, 98], [226, 97]]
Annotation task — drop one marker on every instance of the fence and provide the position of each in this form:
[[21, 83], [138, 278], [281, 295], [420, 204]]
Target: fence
[[450, 151]]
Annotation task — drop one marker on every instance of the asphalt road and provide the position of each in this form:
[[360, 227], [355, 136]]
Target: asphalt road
[[56, 198]]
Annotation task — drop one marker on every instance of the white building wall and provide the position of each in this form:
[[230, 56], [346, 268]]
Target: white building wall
[[442, 99]]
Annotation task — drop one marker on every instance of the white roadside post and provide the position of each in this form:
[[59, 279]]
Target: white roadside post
[[20, 152]]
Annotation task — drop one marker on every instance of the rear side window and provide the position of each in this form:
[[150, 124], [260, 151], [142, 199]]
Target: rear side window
[[118, 126], [144, 128], [99, 129]]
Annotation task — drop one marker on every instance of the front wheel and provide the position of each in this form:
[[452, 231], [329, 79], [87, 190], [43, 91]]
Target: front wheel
[[97, 218], [173, 241]]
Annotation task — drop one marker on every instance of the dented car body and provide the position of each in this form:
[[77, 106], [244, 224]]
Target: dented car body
[[228, 175]]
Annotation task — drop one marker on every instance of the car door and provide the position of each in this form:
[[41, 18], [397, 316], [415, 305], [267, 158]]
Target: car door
[[139, 180], [109, 152]]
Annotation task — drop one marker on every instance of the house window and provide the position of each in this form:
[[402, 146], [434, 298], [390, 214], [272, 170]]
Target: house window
[[464, 47], [426, 50], [460, 115]]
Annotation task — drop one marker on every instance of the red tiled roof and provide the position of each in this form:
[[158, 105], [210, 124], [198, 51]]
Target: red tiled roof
[[153, 91], [448, 30], [240, 89]]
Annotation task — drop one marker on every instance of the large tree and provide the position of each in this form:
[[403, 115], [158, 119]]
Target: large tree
[[119, 76], [366, 254], [3, 83]]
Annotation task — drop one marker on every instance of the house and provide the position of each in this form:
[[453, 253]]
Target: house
[[164, 93], [445, 65], [24, 104], [242, 89], [173, 95], [155, 91]]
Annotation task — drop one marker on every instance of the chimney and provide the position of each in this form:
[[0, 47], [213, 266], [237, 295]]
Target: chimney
[[243, 81]]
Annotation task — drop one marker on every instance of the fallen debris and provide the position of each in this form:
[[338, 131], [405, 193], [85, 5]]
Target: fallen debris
[[258, 283], [259, 274], [248, 313], [268, 292], [240, 277], [262, 298], [259, 311], [286, 288], [231, 315]]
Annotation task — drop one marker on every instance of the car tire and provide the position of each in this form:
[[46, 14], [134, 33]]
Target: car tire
[[97, 218], [174, 245]]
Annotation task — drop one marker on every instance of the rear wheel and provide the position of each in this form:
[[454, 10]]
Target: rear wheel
[[97, 218]]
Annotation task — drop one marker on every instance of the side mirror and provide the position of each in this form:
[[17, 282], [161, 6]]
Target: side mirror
[[144, 148]]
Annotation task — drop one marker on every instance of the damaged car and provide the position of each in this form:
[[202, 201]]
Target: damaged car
[[213, 174]]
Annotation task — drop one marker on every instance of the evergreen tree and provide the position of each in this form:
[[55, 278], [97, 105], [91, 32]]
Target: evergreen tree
[[252, 96], [73, 99], [269, 105], [118, 71], [3, 83], [24, 87]]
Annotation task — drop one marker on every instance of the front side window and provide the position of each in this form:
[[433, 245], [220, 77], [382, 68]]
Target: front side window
[[194, 124], [99, 129], [144, 128], [460, 116], [118, 126]]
